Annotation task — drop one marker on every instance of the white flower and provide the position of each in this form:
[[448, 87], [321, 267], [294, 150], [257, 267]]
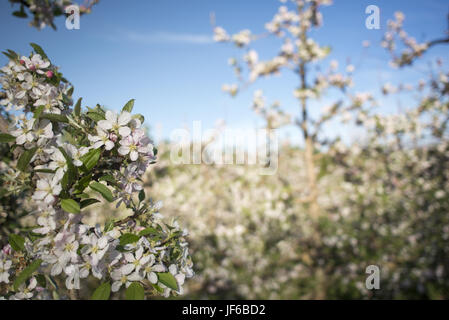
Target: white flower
[[122, 278], [251, 57], [43, 130], [95, 247], [66, 246], [134, 144], [34, 86], [220, 34], [26, 292], [25, 132], [150, 269], [46, 219], [73, 279], [116, 123], [135, 261], [232, 89], [49, 100], [36, 63], [58, 163], [89, 265], [47, 189], [5, 265], [101, 139], [242, 38], [130, 181], [76, 154]]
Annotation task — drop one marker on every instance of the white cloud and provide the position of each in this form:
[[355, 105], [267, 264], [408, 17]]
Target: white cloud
[[167, 37]]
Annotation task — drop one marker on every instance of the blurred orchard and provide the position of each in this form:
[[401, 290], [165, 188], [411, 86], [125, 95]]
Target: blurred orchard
[[307, 232]]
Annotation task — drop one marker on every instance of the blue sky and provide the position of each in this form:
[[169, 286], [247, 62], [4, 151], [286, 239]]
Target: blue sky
[[160, 52]]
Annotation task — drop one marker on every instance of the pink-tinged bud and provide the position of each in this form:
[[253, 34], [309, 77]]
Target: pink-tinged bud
[[22, 62], [49, 74], [32, 67], [7, 249], [113, 137]]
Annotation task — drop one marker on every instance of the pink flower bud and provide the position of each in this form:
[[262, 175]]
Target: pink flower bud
[[113, 137], [32, 67], [7, 249], [49, 74], [22, 62]]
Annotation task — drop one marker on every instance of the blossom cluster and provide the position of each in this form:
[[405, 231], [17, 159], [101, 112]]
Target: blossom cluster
[[45, 11], [412, 48], [70, 157], [291, 24]]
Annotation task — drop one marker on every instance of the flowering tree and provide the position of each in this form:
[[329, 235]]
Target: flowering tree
[[44, 11], [298, 53], [61, 161], [384, 196], [411, 48]]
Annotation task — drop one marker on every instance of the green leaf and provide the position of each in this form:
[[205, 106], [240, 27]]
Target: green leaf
[[20, 14], [54, 117], [87, 202], [99, 109], [71, 169], [109, 225], [65, 181], [70, 206], [103, 190], [77, 108], [129, 106], [83, 196], [16, 242], [141, 195], [25, 158], [38, 112], [135, 292], [128, 238], [157, 288], [109, 178], [70, 91], [26, 273], [95, 116], [39, 50], [11, 57], [102, 292], [4, 138], [34, 236], [41, 280], [148, 231], [91, 158], [45, 171], [168, 279], [83, 183]]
